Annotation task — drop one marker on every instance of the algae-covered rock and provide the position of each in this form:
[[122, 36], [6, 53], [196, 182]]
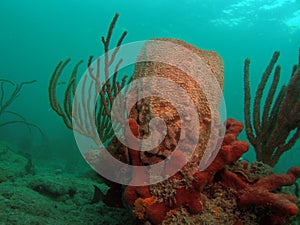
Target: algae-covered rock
[[12, 164], [49, 198], [22, 205], [65, 188], [53, 186]]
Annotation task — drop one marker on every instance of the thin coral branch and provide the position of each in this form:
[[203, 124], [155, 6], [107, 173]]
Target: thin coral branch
[[93, 92], [272, 129], [247, 108], [269, 99], [13, 95], [6, 102], [259, 94]]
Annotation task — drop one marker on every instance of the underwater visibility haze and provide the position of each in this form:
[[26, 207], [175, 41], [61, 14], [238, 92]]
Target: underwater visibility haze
[[212, 132]]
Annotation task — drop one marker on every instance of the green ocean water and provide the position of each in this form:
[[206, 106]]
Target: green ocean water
[[36, 35]]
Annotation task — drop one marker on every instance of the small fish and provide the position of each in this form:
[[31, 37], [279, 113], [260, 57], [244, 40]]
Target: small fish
[[98, 195], [61, 82], [112, 198]]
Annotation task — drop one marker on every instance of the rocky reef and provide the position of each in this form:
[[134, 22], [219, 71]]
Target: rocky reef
[[34, 194], [169, 183], [227, 191]]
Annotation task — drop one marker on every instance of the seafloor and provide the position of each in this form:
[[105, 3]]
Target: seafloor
[[43, 193]]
